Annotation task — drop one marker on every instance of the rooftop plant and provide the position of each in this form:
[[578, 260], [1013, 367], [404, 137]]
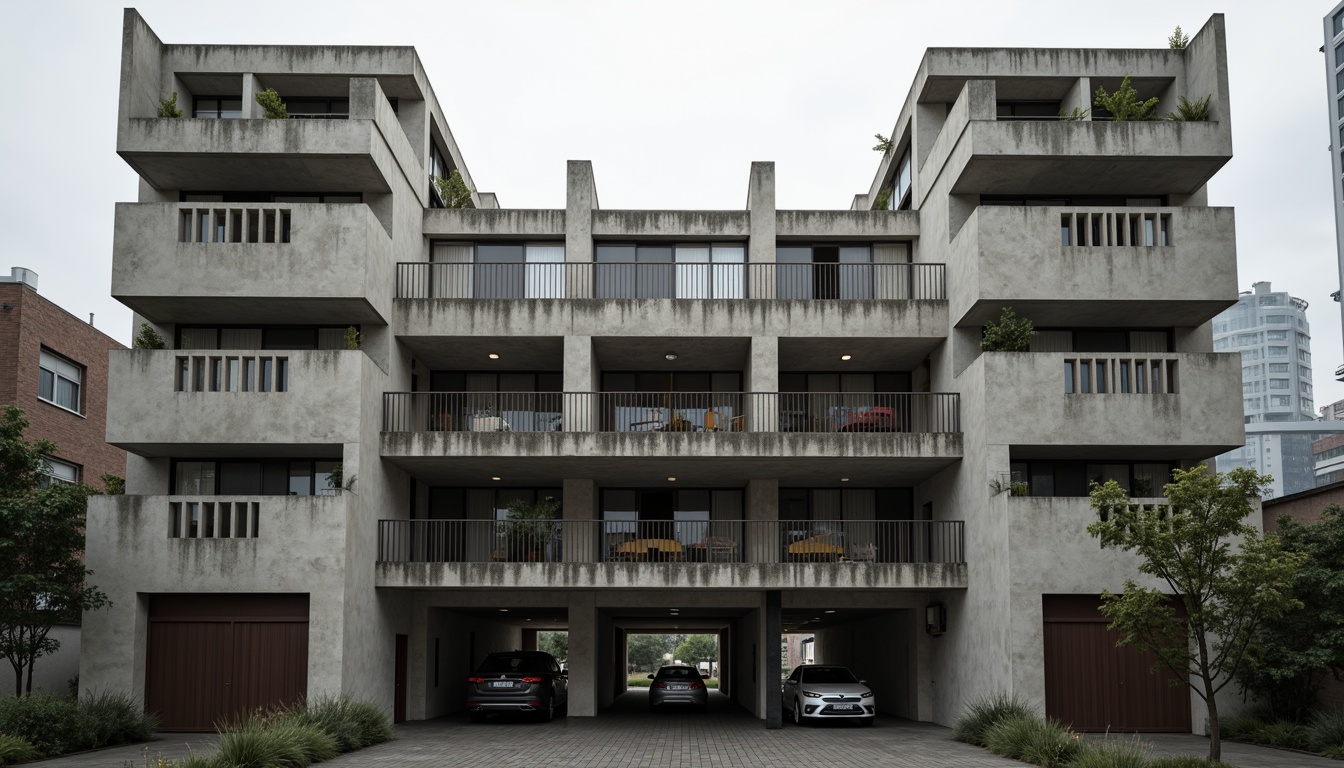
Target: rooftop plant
[[1196, 111], [168, 107], [1124, 104], [1178, 39], [455, 192]]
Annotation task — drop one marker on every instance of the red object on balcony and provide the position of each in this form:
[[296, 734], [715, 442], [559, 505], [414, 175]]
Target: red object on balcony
[[873, 420]]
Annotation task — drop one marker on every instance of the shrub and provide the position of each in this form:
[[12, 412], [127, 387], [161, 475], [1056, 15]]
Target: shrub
[[350, 724], [1112, 753], [168, 107], [1124, 104], [1009, 334], [51, 724], [15, 749], [148, 338], [370, 722], [983, 713], [454, 190], [270, 103], [1196, 111], [1282, 733], [258, 748], [1029, 738], [115, 718], [1325, 733], [312, 741], [1186, 761], [1243, 727]]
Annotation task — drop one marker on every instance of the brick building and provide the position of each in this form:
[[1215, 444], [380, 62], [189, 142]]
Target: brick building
[[54, 366]]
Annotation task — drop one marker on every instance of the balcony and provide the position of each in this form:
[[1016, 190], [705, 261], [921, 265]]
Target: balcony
[[683, 299], [680, 555], [262, 263], [218, 543], [1127, 406], [716, 439], [211, 403], [1071, 267]]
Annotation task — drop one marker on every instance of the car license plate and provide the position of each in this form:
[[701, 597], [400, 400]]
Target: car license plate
[[501, 683], [676, 687], [843, 706]]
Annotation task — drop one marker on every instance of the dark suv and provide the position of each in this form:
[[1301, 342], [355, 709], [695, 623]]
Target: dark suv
[[517, 681]]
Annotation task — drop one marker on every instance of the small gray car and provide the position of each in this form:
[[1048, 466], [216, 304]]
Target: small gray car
[[678, 685], [815, 692]]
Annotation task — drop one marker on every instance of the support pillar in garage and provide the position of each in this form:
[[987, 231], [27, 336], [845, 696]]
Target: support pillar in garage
[[583, 645], [774, 717]]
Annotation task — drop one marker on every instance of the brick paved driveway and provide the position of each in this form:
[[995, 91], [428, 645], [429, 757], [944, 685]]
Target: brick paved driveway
[[628, 736]]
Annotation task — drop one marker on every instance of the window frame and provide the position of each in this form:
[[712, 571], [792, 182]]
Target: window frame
[[56, 377]]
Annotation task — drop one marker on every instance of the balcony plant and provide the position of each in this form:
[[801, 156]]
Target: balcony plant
[[529, 526], [148, 338], [454, 191], [270, 103], [352, 338], [1124, 104], [1187, 111], [1009, 334], [168, 107]]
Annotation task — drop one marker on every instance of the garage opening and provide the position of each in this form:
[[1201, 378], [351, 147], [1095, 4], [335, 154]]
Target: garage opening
[[211, 658], [1095, 686], [878, 646]]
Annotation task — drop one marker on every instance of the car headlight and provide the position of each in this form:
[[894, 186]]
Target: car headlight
[[811, 695], [866, 694]]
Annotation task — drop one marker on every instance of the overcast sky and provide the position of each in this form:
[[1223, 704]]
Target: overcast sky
[[671, 101]]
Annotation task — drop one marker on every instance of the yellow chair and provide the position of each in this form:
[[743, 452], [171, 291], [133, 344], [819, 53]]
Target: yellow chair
[[711, 421]]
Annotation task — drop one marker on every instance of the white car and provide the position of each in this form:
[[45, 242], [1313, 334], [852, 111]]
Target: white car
[[823, 692]]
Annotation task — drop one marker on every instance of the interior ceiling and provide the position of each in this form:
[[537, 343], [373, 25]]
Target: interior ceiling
[[699, 353], [661, 621], [866, 354], [472, 353], [653, 471]]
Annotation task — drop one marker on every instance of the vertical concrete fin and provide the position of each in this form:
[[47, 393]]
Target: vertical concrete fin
[[580, 201], [761, 207], [1206, 69]]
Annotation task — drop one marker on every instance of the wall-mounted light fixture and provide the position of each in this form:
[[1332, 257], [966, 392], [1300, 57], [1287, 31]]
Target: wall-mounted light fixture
[[935, 619], [671, 356]]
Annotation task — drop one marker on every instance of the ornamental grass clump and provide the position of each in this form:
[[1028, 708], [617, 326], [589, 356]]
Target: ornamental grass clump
[[1186, 761], [115, 718], [984, 712], [1112, 753], [1324, 733], [1041, 742], [16, 749]]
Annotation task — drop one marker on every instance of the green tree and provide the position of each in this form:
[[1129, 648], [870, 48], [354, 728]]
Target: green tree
[[455, 192], [1291, 658], [1227, 592], [1124, 104], [554, 643], [884, 144], [645, 652], [43, 580], [1178, 39], [1009, 334], [697, 648], [271, 104]]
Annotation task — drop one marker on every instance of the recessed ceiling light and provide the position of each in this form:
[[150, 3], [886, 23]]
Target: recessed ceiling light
[[494, 356], [845, 357], [496, 477], [831, 611], [843, 479], [671, 479], [503, 610], [671, 355]]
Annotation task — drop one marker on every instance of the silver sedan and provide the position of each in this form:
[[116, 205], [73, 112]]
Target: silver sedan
[[678, 684], [823, 692]]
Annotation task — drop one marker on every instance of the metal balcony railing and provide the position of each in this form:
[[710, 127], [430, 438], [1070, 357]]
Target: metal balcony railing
[[865, 542], [687, 412], [667, 280]]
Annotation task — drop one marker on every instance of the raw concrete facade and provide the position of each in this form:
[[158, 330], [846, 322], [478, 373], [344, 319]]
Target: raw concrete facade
[[758, 421]]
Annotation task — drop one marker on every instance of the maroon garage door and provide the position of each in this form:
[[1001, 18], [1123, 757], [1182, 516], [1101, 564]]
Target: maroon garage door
[[1095, 686], [213, 657]]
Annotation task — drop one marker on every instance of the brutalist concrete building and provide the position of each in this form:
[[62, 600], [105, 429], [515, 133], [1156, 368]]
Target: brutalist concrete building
[[756, 421]]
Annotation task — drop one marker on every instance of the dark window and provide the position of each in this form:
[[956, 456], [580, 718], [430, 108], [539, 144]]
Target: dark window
[[309, 108], [670, 271], [1028, 110], [60, 381], [217, 107], [828, 676], [252, 477]]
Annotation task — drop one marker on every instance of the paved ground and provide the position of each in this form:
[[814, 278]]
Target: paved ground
[[628, 736]]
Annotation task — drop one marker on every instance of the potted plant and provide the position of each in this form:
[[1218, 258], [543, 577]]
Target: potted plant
[[529, 526]]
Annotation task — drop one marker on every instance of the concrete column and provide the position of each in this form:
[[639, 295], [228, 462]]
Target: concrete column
[[761, 248], [251, 88], [582, 540], [762, 508], [581, 381], [1080, 96], [580, 202], [763, 383], [772, 632], [583, 645]]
